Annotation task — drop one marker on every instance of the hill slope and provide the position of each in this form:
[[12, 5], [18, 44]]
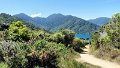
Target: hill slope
[[8, 19], [55, 22], [100, 21], [77, 24]]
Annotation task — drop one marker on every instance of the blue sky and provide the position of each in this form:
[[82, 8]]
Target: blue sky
[[86, 9]]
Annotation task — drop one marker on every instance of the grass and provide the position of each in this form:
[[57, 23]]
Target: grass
[[90, 65]]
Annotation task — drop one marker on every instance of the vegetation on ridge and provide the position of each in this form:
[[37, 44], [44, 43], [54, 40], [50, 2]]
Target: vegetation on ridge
[[56, 22]]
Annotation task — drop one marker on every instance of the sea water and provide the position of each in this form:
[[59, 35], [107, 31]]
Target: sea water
[[83, 36]]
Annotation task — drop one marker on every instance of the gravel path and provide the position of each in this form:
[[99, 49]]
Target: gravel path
[[85, 57]]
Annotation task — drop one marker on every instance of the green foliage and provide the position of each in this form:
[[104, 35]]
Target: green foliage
[[44, 54], [95, 41], [24, 47], [38, 34], [29, 25], [18, 31], [12, 54], [64, 36], [69, 36], [57, 37], [6, 18], [77, 44], [3, 65], [2, 35], [106, 43]]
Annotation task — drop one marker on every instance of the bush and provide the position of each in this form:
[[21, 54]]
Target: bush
[[65, 37], [12, 54], [41, 54], [77, 44], [106, 42], [3, 65], [68, 36], [44, 54], [57, 37], [23, 48], [18, 31]]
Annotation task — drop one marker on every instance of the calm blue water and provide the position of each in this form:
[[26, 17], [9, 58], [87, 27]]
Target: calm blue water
[[83, 36]]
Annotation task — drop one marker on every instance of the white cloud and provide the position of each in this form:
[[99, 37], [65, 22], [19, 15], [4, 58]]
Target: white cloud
[[36, 15]]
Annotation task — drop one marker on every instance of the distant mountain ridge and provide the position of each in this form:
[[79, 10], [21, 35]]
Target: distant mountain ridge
[[27, 18], [58, 21], [7, 19], [100, 21]]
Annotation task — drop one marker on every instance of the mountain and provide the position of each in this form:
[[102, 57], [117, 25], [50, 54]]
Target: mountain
[[100, 21], [51, 21], [7, 19], [76, 24], [58, 21], [27, 18]]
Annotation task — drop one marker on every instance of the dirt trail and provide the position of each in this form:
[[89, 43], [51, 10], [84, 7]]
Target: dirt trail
[[85, 57]]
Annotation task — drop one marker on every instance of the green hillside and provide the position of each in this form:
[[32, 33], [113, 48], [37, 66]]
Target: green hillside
[[55, 22]]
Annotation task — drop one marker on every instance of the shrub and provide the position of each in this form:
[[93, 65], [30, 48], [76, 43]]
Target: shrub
[[3, 65], [64, 36], [77, 44], [68, 36], [106, 42], [19, 31], [44, 54], [57, 37], [12, 54]]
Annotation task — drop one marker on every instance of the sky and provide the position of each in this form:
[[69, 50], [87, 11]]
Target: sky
[[86, 9]]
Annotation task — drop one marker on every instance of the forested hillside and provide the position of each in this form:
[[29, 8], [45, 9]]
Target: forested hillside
[[56, 22], [100, 21], [6, 19], [106, 41]]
